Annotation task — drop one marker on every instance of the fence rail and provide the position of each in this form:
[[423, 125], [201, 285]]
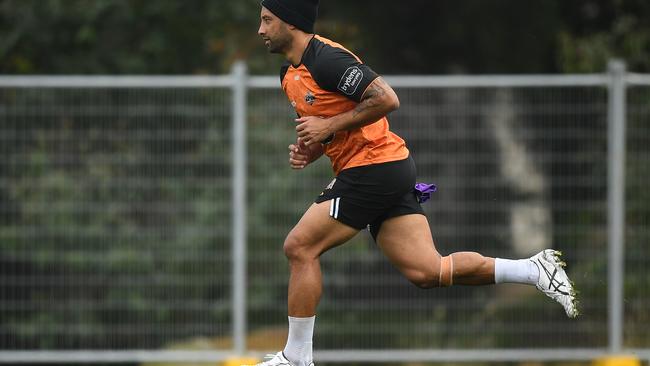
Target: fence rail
[[511, 153]]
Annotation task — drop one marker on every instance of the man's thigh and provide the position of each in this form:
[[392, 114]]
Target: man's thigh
[[318, 231], [407, 242]]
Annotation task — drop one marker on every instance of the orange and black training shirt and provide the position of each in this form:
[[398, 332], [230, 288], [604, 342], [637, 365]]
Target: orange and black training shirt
[[331, 80]]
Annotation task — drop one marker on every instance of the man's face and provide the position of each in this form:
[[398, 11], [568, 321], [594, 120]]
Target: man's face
[[274, 31]]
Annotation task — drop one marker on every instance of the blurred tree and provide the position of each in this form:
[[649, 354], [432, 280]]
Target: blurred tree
[[453, 36], [596, 31], [125, 37], [471, 36]]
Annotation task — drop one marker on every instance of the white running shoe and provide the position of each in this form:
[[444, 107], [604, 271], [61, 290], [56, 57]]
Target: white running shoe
[[278, 359], [554, 282]]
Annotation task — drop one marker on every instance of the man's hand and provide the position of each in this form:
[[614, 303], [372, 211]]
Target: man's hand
[[298, 155], [312, 129]]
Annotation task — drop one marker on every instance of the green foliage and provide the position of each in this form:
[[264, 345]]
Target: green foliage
[[201, 36], [590, 53], [71, 212], [119, 36], [637, 235], [106, 223]]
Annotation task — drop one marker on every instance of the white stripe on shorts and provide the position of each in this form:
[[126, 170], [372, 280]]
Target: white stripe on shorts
[[336, 208]]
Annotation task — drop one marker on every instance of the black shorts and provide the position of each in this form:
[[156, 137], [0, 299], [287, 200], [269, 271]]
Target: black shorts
[[366, 196]]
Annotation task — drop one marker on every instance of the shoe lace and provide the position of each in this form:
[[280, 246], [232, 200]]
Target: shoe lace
[[554, 283]]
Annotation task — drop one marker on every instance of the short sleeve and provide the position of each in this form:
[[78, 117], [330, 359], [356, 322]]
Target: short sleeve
[[337, 70]]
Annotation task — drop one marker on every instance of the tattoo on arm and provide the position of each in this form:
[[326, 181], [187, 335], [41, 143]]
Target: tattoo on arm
[[371, 98]]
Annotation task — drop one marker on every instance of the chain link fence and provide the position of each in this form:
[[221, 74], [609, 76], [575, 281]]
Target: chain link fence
[[119, 214]]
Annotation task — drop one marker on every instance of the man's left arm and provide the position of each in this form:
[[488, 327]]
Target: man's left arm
[[377, 101]]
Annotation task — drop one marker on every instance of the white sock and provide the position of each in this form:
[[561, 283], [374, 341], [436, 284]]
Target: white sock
[[299, 343], [515, 271]]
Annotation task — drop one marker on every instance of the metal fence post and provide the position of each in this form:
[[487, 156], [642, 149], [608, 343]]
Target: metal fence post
[[239, 75], [616, 203]]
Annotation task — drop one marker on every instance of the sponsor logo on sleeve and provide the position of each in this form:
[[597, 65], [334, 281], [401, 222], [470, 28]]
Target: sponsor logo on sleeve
[[350, 80]]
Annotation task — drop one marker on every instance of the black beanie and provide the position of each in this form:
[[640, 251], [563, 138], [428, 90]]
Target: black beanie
[[299, 13]]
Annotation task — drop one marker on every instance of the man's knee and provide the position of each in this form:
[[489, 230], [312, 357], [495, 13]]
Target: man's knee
[[439, 274], [296, 247], [423, 279]]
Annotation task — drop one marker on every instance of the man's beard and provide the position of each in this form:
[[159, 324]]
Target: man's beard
[[279, 45]]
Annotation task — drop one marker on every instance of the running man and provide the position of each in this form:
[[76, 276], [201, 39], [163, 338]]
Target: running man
[[342, 106]]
